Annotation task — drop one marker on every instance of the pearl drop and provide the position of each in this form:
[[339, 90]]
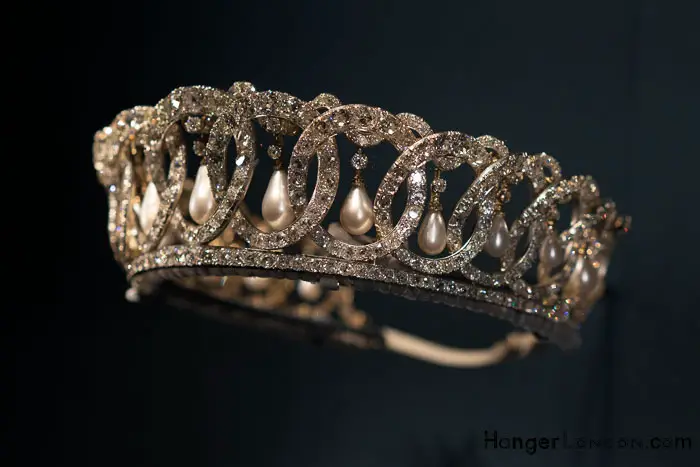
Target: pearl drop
[[148, 210], [309, 290], [499, 237], [132, 295], [276, 206], [256, 284], [432, 235], [202, 203], [584, 278], [357, 215], [551, 252]]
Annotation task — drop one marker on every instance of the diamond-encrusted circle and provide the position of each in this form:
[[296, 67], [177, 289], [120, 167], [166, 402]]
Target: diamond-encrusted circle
[[458, 147], [311, 143], [225, 128], [119, 201], [582, 191], [105, 154], [113, 163], [531, 222], [164, 133], [579, 190], [497, 154], [379, 125]]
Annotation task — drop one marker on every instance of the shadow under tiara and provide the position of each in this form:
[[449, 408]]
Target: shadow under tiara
[[563, 334], [317, 331], [331, 331]]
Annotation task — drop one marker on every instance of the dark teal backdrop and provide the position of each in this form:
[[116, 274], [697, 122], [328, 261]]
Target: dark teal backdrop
[[609, 88]]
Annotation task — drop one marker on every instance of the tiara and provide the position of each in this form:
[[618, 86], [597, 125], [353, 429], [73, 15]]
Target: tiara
[[171, 224]]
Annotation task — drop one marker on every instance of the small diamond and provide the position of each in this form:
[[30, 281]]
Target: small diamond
[[439, 185], [274, 151], [199, 148], [242, 86], [359, 160], [194, 124], [417, 177]]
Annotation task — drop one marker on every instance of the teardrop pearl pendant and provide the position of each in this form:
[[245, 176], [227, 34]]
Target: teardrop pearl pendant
[[432, 236], [202, 203], [276, 206], [551, 253], [309, 291], [499, 237], [583, 279], [357, 213], [148, 210]]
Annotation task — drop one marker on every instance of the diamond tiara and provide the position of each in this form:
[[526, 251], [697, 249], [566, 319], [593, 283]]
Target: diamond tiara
[[198, 232]]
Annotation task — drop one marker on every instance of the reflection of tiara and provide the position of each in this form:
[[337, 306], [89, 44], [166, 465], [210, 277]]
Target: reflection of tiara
[[164, 225]]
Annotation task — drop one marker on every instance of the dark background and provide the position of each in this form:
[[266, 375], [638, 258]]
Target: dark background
[[608, 88]]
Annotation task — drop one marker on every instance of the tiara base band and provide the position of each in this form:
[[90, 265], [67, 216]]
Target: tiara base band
[[177, 262]]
